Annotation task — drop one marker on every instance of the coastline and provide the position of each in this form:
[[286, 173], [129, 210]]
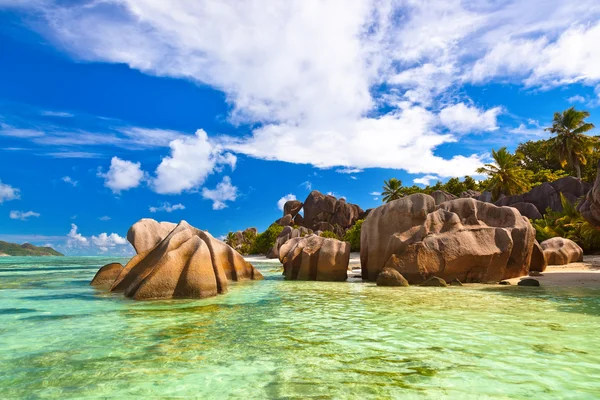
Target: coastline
[[581, 274]]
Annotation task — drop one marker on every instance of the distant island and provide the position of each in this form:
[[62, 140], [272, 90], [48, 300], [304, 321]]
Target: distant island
[[26, 249]]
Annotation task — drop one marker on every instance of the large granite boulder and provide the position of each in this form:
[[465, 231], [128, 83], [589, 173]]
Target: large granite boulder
[[286, 220], [107, 274], [470, 194], [319, 208], [561, 251], [286, 234], [314, 258], [547, 195], [590, 206], [462, 239], [292, 207], [441, 196], [147, 233], [527, 210], [187, 263], [538, 259]]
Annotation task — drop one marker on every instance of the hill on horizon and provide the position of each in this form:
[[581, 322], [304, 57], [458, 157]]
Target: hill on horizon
[[26, 249]]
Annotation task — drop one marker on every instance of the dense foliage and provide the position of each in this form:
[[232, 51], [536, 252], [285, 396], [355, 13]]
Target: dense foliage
[[568, 224], [329, 234], [506, 175], [353, 235], [265, 241]]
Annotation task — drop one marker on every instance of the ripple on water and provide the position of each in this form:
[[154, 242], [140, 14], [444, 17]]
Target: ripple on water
[[62, 338]]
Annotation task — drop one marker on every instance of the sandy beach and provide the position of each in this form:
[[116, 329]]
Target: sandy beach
[[581, 274]]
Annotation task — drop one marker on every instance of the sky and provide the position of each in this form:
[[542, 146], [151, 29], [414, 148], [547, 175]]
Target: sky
[[218, 111]]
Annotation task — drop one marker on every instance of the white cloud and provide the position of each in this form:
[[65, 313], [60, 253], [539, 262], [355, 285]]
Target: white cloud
[[224, 191], [69, 180], [167, 207], [334, 194], [313, 76], [104, 241], [60, 114], [76, 239], [462, 118], [281, 202], [8, 192], [576, 99], [348, 170], [375, 193], [192, 159], [104, 218], [426, 180], [122, 175], [22, 215], [307, 185]]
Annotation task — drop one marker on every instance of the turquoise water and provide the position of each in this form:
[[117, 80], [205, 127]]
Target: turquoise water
[[61, 338]]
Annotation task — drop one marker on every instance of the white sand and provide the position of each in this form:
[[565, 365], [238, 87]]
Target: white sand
[[583, 274]]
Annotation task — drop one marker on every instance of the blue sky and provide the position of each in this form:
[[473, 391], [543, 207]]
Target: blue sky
[[213, 111]]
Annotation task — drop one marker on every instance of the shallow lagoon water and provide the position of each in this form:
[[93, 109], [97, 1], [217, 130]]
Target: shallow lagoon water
[[61, 338]]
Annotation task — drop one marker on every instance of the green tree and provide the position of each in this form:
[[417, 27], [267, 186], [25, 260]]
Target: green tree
[[230, 239], [454, 186], [506, 176], [392, 190], [265, 241], [470, 183], [570, 143], [353, 235]]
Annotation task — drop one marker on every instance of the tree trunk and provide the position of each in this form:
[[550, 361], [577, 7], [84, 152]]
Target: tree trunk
[[578, 169]]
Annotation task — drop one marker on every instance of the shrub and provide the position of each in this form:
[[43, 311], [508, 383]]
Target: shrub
[[265, 241], [568, 224], [329, 234], [353, 235]]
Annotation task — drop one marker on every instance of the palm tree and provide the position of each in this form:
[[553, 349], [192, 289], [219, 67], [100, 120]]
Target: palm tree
[[570, 143], [230, 239], [392, 190], [506, 176]]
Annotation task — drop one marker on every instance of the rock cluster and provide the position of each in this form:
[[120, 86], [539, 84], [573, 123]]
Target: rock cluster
[[548, 195], [286, 234], [561, 251], [315, 258], [590, 206], [184, 262], [462, 239]]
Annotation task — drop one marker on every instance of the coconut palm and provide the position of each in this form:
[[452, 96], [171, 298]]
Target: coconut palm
[[571, 144], [392, 190], [230, 239], [505, 175]]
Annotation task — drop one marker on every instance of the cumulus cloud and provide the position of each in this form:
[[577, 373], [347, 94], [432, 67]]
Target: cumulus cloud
[[191, 161], [281, 202], [122, 175], [426, 180], [375, 193], [104, 241], [332, 84], [69, 180], [167, 207], [224, 191], [462, 118], [22, 215], [576, 99], [348, 170], [76, 239], [8, 192]]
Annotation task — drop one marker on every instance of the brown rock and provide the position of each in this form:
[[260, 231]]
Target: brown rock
[[147, 233], [315, 258], [528, 282], [462, 239], [470, 194], [319, 208], [187, 263], [435, 281], [441, 196], [561, 251], [292, 207], [527, 210], [107, 274], [299, 220], [538, 260], [590, 206], [286, 220], [391, 277]]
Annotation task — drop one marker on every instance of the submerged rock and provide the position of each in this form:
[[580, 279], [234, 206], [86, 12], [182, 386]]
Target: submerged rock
[[391, 277], [107, 274], [507, 283], [314, 258], [528, 282], [561, 251], [462, 239], [435, 281], [187, 263]]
